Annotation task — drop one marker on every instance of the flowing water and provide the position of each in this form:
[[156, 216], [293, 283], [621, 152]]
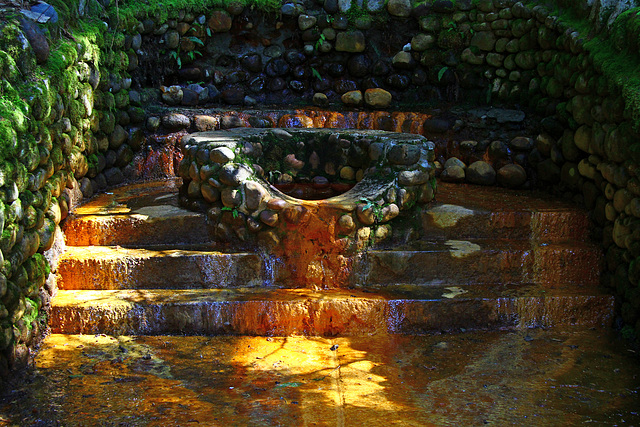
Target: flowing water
[[532, 377]]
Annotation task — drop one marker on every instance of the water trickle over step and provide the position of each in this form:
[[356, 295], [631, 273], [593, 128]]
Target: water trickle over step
[[139, 264]]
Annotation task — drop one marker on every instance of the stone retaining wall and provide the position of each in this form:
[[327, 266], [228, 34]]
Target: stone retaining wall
[[75, 113]]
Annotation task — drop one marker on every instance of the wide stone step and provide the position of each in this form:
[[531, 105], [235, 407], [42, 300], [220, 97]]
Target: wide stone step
[[134, 215], [173, 226], [108, 267], [466, 212], [148, 214], [285, 312], [428, 262], [482, 261]]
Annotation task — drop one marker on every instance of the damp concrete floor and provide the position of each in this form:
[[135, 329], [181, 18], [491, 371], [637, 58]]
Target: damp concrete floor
[[527, 377]]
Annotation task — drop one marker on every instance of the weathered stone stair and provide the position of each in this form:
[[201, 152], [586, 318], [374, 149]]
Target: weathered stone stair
[[138, 264]]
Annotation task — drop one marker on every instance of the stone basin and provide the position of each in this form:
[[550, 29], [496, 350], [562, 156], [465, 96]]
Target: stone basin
[[233, 175]]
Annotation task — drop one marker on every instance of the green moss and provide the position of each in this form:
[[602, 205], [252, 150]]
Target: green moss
[[35, 267], [115, 41], [46, 195], [22, 177], [115, 60], [108, 100], [616, 55], [623, 69], [107, 122], [129, 10], [64, 55], [69, 83], [40, 98], [122, 61], [122, 99], [7, 170], [9, 39], [76, 112], [31, 312], [107, 59], [56, 156], [8, 239], [13, 108], [356, 12], [28, 152], [626, 30], [8, 67], [8, 139], [90, 47], [92, 159]]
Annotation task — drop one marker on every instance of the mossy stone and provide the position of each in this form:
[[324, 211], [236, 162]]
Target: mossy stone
[[107, 122], [122, 99]]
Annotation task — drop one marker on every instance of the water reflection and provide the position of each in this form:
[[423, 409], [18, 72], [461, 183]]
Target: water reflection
[[533, 377]]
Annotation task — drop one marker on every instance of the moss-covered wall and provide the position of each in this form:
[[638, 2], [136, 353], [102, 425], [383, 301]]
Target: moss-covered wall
[[72, 113], [66, 131]]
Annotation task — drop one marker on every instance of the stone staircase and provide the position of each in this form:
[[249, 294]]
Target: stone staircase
[[138, 264]]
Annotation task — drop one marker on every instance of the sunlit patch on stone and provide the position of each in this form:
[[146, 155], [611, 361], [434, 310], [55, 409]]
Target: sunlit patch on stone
[[453, 291], [462, 248], [445, 216], [159, 211]]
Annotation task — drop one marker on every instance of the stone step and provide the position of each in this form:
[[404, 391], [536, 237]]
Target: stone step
[[148, 214], [108, 267], [483, 261], [464, 211], [174, 226], [468, 262], [136, 215], [285, 312]]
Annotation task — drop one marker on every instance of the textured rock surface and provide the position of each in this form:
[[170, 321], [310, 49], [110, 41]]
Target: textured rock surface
[[241, 182]]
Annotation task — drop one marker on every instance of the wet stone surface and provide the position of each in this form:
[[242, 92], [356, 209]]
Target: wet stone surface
[[530, 377]]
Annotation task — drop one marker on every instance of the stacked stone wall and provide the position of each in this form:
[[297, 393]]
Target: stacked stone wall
[[75, 113], [67, 130]]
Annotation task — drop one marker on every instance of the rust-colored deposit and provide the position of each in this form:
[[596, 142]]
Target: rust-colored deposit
[[313, 254]]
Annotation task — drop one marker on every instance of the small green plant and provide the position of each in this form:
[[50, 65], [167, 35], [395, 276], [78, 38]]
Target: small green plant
[[441, 72], [376, 208], [196, 40], [234, 211], [316, 73], [192, 54], [176, 55], [319, 42]]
